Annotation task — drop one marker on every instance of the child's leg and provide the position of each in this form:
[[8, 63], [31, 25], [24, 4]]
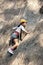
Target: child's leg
[[10, 50], [15, 45]]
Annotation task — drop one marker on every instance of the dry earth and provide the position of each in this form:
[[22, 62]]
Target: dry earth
[[30, 50]]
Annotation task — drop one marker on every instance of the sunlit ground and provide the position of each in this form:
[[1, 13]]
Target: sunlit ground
[[33, 5]]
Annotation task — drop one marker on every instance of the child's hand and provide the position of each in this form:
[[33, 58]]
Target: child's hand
[[28, 32]]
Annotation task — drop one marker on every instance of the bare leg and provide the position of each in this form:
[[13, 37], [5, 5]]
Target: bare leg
[[10, 50], [15, 45]]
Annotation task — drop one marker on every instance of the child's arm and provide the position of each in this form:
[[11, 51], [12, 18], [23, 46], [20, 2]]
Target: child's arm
[[25, 30]]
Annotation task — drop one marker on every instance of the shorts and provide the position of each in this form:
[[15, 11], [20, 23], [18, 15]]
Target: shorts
[[14, 36]]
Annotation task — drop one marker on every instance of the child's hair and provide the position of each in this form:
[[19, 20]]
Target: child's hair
[[20, 24]]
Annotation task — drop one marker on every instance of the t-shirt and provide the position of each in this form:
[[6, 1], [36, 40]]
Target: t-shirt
[[20, 28]]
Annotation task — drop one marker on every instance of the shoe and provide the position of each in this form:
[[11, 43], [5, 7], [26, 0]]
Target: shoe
[[10, 51]]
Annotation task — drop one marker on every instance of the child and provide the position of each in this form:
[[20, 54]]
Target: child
[[16, 35]]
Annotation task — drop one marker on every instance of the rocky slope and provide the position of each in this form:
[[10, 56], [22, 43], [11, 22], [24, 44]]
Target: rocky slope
[[30, 50]]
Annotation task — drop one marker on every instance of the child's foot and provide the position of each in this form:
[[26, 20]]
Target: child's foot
[[10, 51]]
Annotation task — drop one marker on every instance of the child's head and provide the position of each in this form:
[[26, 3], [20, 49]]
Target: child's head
[[23, 22]]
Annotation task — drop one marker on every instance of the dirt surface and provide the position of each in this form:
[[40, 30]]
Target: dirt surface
[[30, 50]]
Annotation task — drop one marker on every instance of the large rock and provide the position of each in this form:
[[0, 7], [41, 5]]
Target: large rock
[[30, 50]]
